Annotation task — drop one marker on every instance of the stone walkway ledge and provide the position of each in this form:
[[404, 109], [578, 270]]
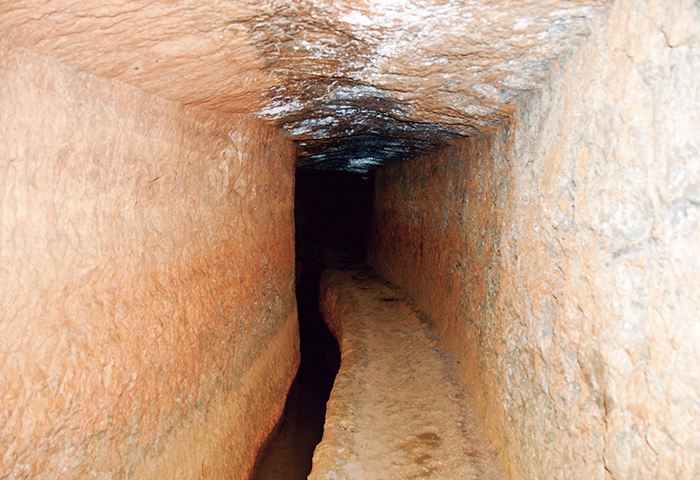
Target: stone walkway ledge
[[398, 409]]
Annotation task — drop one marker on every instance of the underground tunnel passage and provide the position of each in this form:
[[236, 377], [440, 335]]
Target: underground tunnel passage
[[518, 181], [332, 213]]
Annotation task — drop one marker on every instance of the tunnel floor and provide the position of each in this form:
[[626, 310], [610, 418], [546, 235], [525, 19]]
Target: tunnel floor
[[399, 408]]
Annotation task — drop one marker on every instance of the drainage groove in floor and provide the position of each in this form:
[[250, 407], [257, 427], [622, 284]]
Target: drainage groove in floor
[[287, 453]]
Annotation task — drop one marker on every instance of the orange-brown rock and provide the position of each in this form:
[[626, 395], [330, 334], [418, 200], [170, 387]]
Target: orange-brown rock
[[387, 78], [398, 408], [554, 255], [546, 216], [147, 313]]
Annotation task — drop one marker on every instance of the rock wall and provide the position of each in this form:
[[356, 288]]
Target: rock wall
[[147, 302], [558, 256]]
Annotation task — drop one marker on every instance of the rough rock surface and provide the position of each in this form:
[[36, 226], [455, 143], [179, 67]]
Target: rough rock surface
[[356, 82], [558, 256], [398, 410], [146, 285], [142, 223]]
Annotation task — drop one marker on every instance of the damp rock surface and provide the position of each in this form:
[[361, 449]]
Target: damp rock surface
[[355, 82], [397, 410]]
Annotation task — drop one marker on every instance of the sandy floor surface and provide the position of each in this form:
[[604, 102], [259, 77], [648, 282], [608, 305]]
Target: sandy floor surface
[[397, 410]]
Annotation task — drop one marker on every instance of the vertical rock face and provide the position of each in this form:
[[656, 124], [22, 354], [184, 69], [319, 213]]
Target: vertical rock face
[[147, 306], [554, 254]]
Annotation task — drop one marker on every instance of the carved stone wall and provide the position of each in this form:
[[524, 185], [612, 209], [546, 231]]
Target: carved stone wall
[[147, 302], [554, 255]]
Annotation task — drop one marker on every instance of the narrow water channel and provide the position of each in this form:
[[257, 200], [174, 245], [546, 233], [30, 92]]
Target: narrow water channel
[[332, 219], [287, 456]]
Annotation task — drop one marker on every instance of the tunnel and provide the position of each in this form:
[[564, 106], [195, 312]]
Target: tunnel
[[410, 238]]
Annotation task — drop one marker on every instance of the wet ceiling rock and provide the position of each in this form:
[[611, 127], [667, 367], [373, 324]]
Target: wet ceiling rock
[[355, 83]]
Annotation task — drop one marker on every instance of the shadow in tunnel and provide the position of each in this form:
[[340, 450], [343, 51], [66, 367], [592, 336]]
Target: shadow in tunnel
[[332, 214]]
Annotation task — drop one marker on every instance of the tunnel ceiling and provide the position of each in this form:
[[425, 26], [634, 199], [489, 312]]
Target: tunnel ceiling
[[354, 83]]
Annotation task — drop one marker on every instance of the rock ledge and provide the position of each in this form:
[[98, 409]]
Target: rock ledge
[[398, 409]]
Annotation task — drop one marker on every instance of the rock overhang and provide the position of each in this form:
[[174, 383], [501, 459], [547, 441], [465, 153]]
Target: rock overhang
[[354, 83]]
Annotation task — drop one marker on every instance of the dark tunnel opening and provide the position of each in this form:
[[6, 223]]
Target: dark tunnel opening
[[333, 216]]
